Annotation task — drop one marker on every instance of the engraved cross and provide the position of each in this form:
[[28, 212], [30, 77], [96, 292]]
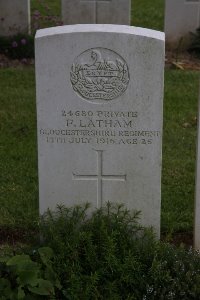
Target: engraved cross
[[100, 177], [96, 2]]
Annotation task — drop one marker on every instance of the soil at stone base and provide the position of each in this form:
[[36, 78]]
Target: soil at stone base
[[179, 238], [19, 235], [6, 62], [16, 235], [182, 61]]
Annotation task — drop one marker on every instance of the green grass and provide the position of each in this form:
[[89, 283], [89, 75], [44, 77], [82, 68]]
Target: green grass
[[148, 14], [49, 14], [18, 149], [18, 162], [46, 7], [18, 175], [179, 149]]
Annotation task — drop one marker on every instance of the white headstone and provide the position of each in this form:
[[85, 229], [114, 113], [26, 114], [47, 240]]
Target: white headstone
[[181, 18], [197, 194], [14, 17], [96, 11], [99, 110]]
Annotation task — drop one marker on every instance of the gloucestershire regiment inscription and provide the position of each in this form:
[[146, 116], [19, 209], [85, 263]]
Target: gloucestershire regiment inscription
[[99, 128], [99, 75]]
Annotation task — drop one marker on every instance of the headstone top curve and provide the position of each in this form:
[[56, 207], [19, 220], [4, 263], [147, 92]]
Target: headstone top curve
[[99, 114], [89, 28]]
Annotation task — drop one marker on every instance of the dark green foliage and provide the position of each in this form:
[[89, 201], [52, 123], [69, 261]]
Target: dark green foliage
[[195, 43], [93, 255], [17, 47], [174, 274], [109, 256], [104, 256], [23, 278]]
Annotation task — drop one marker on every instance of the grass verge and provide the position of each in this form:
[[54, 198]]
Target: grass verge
[[18, 151]]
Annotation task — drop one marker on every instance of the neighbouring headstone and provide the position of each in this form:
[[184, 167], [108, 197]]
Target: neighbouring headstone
[[197, 192], [99, 114], [14, 17], [181, 18], [96, 11]]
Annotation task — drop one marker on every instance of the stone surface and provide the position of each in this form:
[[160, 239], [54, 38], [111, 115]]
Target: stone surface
[[14, 17], [96, 11], [197, 194], [99, 108], [181, 18]]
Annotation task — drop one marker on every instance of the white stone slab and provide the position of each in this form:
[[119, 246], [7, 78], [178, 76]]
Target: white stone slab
[[96, 11], [99, 114], [197, 194], [181, 18], [14, 17]]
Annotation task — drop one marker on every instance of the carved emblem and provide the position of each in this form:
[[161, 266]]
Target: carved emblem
[[99, 74]]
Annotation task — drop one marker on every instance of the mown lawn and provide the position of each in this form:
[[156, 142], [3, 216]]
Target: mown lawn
[[179, 149], [18, 149], [148, 14], [18, 162], [18, 176]]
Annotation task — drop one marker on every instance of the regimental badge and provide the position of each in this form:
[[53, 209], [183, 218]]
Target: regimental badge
[[99, 75]]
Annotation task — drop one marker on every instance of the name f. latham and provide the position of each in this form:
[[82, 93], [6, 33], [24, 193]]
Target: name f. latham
[[100, 123]]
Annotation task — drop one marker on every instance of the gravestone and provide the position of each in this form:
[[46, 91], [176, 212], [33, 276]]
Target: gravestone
[[14, 17], [99, 114], [197, 194], [181, 18], [96, 11]]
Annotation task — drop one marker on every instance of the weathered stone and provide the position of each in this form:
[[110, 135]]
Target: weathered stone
[[181, 18], [99, 107], [14, 17], [96, 11]]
